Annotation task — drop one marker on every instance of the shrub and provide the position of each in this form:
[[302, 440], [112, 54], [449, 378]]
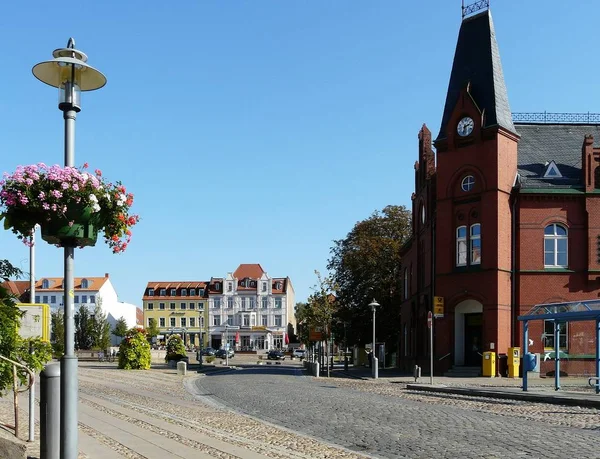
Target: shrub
[[175, 348], [210, 359], [134, 351]]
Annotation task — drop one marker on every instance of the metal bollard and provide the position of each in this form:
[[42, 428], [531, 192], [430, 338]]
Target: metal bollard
[[50, 412], [346, 363]]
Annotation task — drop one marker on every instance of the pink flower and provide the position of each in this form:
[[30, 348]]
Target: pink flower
[[71, 223], [86, 165], [98, 172], [42, 195]]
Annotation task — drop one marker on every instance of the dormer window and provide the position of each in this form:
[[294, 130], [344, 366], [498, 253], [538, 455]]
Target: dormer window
[[192, 292], [217, 287], [201, 292], [150, 292], [552, 170], [84, 283], [173, 292], [278, 285], [264, 286], [45, 283], [230, 286], [163, 292], [184, 292]]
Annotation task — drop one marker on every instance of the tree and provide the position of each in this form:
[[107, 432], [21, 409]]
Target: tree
[[301, 313], [366, 265], [83, 328], [58, 333], [175, 348], [99, 329], [120, 328], [134, 351], [152, 329]]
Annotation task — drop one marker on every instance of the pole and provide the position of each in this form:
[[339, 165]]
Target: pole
[[68, 369], [50, 412], [31, 301], [431, 353], [227, 344], [373, 362]]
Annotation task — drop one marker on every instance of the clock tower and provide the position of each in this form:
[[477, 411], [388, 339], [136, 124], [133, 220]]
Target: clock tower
[[476, 170]]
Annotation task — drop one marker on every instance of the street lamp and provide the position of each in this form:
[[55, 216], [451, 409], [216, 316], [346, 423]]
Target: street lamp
[[70, 73], [374, 361]]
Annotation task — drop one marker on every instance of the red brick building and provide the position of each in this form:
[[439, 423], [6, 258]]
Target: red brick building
[[506, 215]]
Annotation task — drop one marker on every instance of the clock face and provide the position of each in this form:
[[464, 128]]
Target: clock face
[[465, 126]]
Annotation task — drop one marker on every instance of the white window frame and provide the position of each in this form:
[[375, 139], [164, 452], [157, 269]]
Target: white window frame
[[278, 318], [461, 246], [264, 286], [217, 321], [172, 321], [251, 305], [161, 322], [278, 303], [184, 292], [192, 322], [472, 240], [163, 292], [192, 292], [217, 303], [150, 292], [554, 239], [183, 322], [264, 302], [264, 320], [548, 338], [150, 306]]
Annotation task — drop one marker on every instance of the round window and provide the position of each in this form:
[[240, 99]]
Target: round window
[[468, 183]]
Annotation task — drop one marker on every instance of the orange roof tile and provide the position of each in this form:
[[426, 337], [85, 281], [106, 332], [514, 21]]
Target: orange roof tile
[[56, 283], [253, 271]]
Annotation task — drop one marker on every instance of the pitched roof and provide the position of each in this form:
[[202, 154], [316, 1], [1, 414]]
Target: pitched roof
[[477, 60], [17, 288], [139, 316], [56, 283], [541, 144], [253, 271]]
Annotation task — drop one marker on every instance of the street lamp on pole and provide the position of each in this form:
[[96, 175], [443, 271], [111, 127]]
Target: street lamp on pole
[[70, 73], [374, 361]]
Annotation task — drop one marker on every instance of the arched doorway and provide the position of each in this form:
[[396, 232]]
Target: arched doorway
[[468, 331]]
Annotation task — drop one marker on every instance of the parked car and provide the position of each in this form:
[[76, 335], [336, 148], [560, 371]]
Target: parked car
[[208, 351], [222, 353], [275, 355], [299, 353]]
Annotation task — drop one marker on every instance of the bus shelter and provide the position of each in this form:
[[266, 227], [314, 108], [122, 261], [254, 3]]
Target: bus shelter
[[560, 313]]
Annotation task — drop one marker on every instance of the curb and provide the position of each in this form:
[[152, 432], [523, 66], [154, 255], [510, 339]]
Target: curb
[[556, 398]]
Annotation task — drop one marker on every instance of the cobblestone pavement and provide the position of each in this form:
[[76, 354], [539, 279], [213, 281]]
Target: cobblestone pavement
[[386, 420]]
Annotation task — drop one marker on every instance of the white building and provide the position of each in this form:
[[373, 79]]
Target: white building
[[88, 291], [259, 308]]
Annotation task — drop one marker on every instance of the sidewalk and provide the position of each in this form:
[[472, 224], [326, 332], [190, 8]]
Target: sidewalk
[[575, 391]]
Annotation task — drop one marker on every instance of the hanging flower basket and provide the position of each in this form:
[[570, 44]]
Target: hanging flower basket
[[71, 205], [78, 228]]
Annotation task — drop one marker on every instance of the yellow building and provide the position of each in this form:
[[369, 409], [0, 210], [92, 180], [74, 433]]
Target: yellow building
[[178, 307]]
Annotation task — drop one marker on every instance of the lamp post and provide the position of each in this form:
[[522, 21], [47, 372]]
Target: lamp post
[[70, 73], [374, 361]]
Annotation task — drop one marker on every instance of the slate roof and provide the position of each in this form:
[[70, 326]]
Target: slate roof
[[477, 60], [542, 143]]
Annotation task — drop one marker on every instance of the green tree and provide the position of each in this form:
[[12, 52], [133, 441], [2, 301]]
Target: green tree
[[99, 329], [152, 329], [12, 345], [366, 265], [120, 328], [301, 313], [58, 333], [175, 348], [83, 329], [134, 351]]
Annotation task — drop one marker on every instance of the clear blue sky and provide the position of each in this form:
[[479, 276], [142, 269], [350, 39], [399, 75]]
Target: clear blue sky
[[260, 131]]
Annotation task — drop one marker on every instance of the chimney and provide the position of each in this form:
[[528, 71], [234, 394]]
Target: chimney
[[106, 275]]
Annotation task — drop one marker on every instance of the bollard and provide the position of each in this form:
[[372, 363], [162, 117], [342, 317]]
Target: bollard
[[50, 412], [346, 363], [317, 369], [181, 368], [375, 361]]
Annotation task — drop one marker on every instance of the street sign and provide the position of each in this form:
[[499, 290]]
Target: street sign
[[35, 321], [438, 307], [429, 319]]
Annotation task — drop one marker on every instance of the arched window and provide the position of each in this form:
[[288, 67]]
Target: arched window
[[45, 283], [556, 244], [405, 283], [475, 241], [461, 246], [84, 283]]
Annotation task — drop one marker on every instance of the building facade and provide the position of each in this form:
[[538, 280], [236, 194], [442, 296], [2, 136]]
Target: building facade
[[506, 215], [88, 292], [258, 307], [178, 307]]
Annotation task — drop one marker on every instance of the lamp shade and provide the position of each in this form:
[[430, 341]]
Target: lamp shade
[[374, 304]]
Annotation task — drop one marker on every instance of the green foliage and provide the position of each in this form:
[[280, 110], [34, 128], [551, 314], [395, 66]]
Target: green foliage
[[12, 345], [134, 351], [175, 348], [366, 265], [99, 328], [152, 329], [301, 313], [120, 328], [58, 333], [83, 328]]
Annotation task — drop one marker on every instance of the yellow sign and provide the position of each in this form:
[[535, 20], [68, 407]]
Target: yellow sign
[[259, 327], [438, 306], [35, 321]]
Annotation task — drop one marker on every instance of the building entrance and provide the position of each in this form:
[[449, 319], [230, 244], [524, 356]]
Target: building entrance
[[473, 334]]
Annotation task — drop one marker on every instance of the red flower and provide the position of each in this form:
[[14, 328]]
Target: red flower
[[86, 165]]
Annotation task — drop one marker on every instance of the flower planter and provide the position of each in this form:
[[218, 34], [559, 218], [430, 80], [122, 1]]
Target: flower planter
[[82, 233]]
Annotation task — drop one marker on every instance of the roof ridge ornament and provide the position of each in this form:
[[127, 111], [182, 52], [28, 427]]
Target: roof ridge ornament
[[474, 7]]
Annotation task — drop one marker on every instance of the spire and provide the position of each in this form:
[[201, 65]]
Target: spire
[[477, 61]]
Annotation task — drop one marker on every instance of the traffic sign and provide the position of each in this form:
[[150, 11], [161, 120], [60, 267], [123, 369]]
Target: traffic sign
[[429, 319]]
